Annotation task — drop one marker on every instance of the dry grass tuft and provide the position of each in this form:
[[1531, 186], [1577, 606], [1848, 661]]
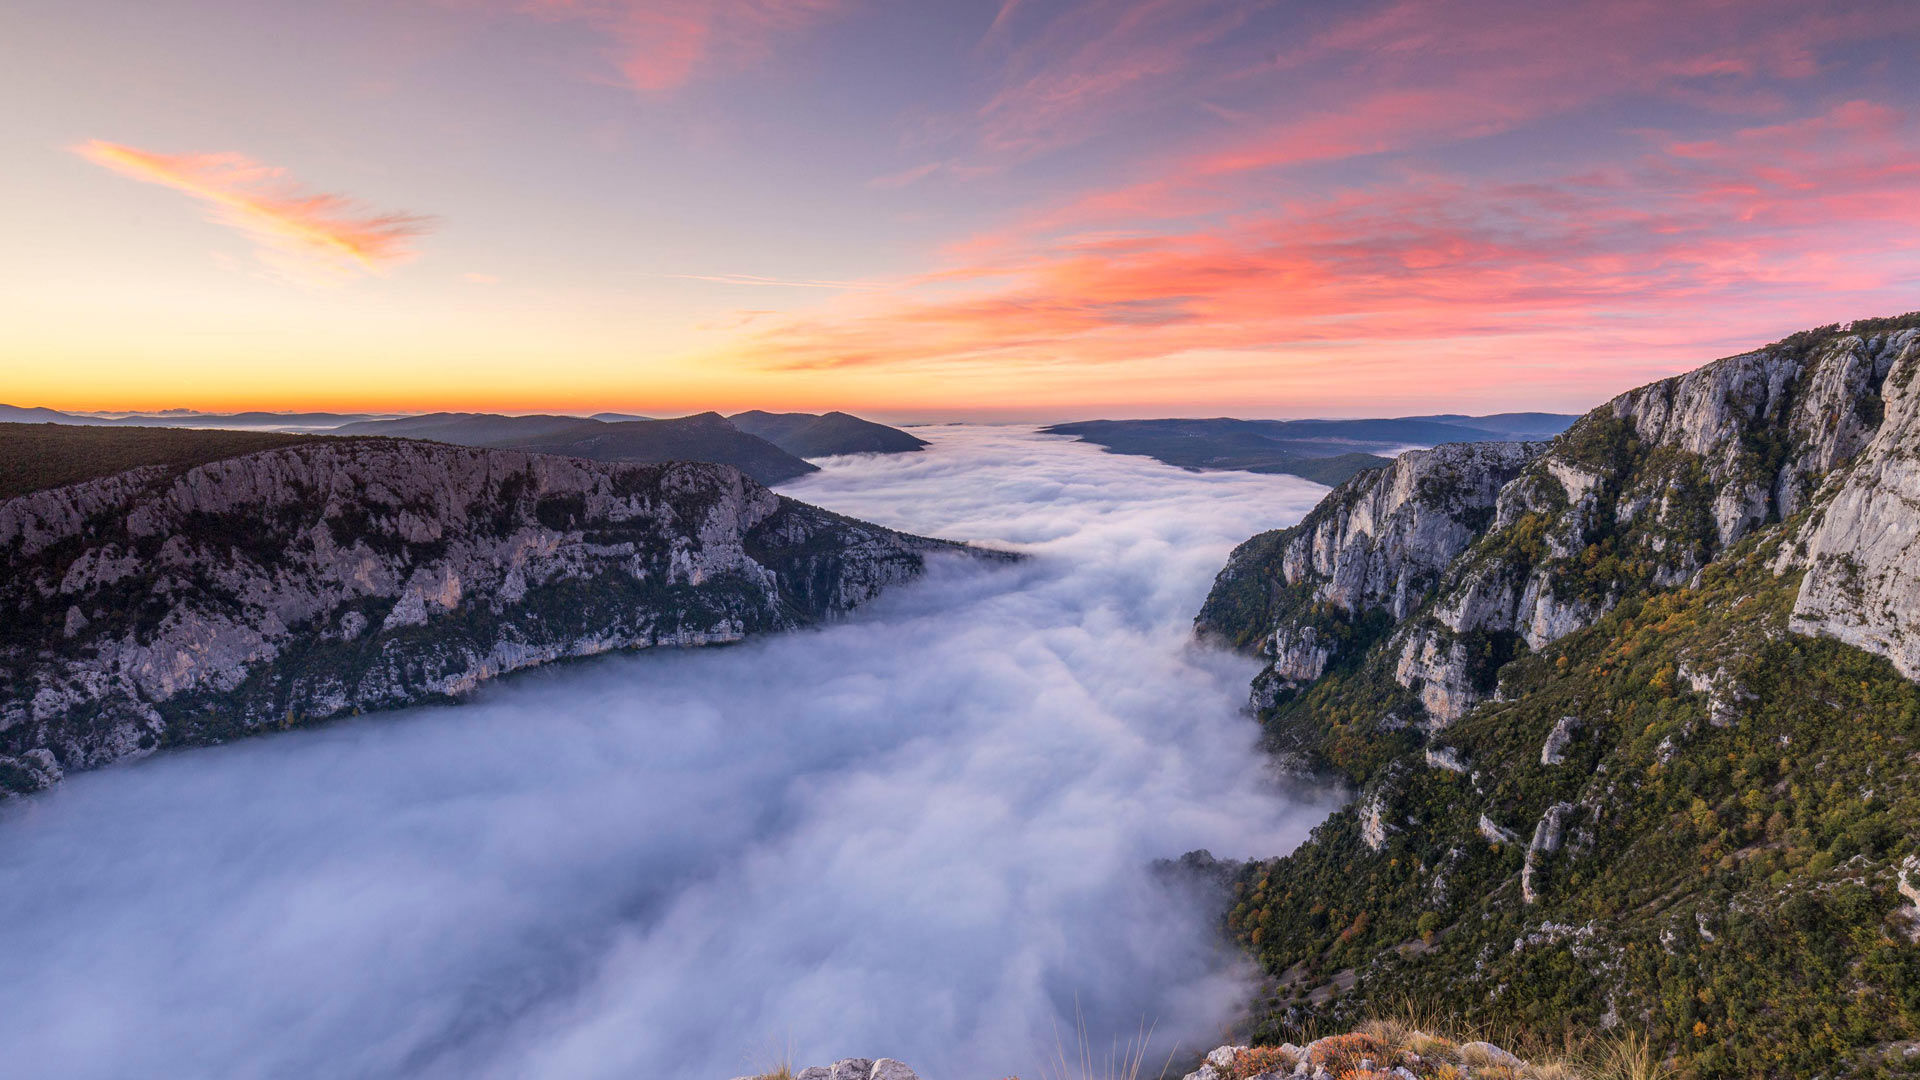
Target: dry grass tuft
[[1629, 1056], [772, 1061], [1082, 1061], [1388, 1033], [1433, 1048]]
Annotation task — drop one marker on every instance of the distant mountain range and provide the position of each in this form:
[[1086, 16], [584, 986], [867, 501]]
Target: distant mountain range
[[265, 421], [701, 437], [1324, 451], [770, 447]]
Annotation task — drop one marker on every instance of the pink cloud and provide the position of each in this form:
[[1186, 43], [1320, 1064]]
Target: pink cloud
[[1431, 277], [310, 237], [1408, 74], [1072, 72]]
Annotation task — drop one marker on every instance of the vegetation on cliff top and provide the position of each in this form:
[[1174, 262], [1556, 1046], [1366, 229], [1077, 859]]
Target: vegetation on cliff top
[[34, 457]]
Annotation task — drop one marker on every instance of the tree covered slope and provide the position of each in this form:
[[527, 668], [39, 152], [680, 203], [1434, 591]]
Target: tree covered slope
[[44, 455]]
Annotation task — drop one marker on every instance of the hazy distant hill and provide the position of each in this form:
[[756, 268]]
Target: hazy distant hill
[[16, 414], [702, 437], [1543, 425], [1325, 451], [810, 435], [178, 418], [469, 429], [282, 421]]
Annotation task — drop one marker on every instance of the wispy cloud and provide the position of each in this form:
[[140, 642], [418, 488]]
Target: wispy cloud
[[1815, 215], [662, 44], [1073, 73], [304, 236], [906, 177]]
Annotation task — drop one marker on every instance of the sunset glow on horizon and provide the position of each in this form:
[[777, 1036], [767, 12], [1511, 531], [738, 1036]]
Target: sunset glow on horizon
[[1012, 209]]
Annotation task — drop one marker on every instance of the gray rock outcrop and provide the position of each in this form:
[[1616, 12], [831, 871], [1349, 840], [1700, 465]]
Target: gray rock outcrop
[[1546, 840]]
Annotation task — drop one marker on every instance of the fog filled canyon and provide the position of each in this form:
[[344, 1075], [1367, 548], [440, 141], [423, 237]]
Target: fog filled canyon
[[924, 832]]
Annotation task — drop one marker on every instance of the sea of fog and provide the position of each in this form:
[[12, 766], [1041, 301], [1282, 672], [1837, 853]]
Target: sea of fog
[[925, 832]]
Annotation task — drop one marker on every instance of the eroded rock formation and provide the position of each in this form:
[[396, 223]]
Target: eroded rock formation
[[148, 609]]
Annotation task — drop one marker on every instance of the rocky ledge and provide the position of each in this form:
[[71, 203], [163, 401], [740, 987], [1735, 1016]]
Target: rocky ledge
[[155, 608], [1386, 1053]]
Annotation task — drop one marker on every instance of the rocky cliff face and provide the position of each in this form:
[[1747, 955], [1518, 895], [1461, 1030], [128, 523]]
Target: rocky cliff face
[[1646, 739], [149, 608], [1378, 544], [1477, 550], [1861, 546]]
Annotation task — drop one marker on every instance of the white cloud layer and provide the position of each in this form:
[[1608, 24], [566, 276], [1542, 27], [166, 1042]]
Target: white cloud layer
[[923, 833]]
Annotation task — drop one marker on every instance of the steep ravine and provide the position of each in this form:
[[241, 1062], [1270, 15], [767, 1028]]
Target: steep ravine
[[924, 832], [1632, 717], [155, 607]]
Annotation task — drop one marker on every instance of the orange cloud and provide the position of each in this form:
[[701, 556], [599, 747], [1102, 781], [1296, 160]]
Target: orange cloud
[[662, 43], [303, 236]]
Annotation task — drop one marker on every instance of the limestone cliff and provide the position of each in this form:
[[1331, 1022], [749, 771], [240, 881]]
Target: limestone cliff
[[1476, 551], [157, 607], [1861, 546], [1378, 543]]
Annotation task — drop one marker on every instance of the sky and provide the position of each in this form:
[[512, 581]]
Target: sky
[[1010, 209]]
